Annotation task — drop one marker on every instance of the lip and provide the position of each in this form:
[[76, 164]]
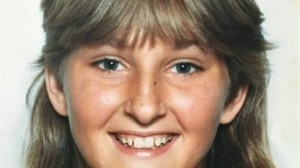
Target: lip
[[143, 153]]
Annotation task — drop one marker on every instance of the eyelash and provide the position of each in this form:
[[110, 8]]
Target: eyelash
[[109, 64], [185, 68]]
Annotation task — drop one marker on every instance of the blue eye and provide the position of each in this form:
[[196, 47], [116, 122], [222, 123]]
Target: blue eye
[[110, 65], [184, 68]]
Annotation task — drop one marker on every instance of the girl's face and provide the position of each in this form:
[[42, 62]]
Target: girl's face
[[146, 105]]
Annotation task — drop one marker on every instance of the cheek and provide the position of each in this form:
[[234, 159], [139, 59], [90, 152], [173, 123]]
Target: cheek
[[91, 105], [198, 108]]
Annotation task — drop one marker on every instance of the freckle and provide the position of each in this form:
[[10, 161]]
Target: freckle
[[154, 83]]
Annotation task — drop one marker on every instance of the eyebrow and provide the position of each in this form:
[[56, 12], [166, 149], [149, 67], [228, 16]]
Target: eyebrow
[[184, 43], [114, 42]]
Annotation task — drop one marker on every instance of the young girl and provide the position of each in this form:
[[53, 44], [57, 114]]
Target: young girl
[[150, 84]]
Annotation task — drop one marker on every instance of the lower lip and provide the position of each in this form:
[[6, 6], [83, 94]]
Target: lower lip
[[143, 153]]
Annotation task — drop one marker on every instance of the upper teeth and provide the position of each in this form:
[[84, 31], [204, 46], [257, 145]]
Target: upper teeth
[[145, 142]]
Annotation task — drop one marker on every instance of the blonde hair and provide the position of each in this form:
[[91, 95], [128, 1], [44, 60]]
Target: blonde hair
[[231, 29]]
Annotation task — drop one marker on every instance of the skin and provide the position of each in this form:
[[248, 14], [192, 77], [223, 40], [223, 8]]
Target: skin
[[145, 93]]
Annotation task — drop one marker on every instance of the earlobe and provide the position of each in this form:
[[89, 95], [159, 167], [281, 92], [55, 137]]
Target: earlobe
[[232, 109], [55, 93]]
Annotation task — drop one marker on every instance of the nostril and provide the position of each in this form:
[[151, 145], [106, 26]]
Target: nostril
[[145, 112]]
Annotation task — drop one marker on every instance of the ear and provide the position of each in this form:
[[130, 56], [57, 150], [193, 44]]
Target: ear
[[55, 93], [232, 109]]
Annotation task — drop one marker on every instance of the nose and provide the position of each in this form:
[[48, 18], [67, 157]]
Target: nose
[[145, 104]]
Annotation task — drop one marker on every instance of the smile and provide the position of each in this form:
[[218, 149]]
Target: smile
[[150, 142]]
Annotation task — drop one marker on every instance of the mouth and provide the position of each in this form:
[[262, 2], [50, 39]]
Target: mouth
[[144, 146], [150, 142]]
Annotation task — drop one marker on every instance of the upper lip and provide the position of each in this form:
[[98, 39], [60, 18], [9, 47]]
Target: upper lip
[[142, 133]]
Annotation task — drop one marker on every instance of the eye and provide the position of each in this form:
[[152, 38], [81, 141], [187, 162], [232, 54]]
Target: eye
[[109, 64], [185, 68]]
